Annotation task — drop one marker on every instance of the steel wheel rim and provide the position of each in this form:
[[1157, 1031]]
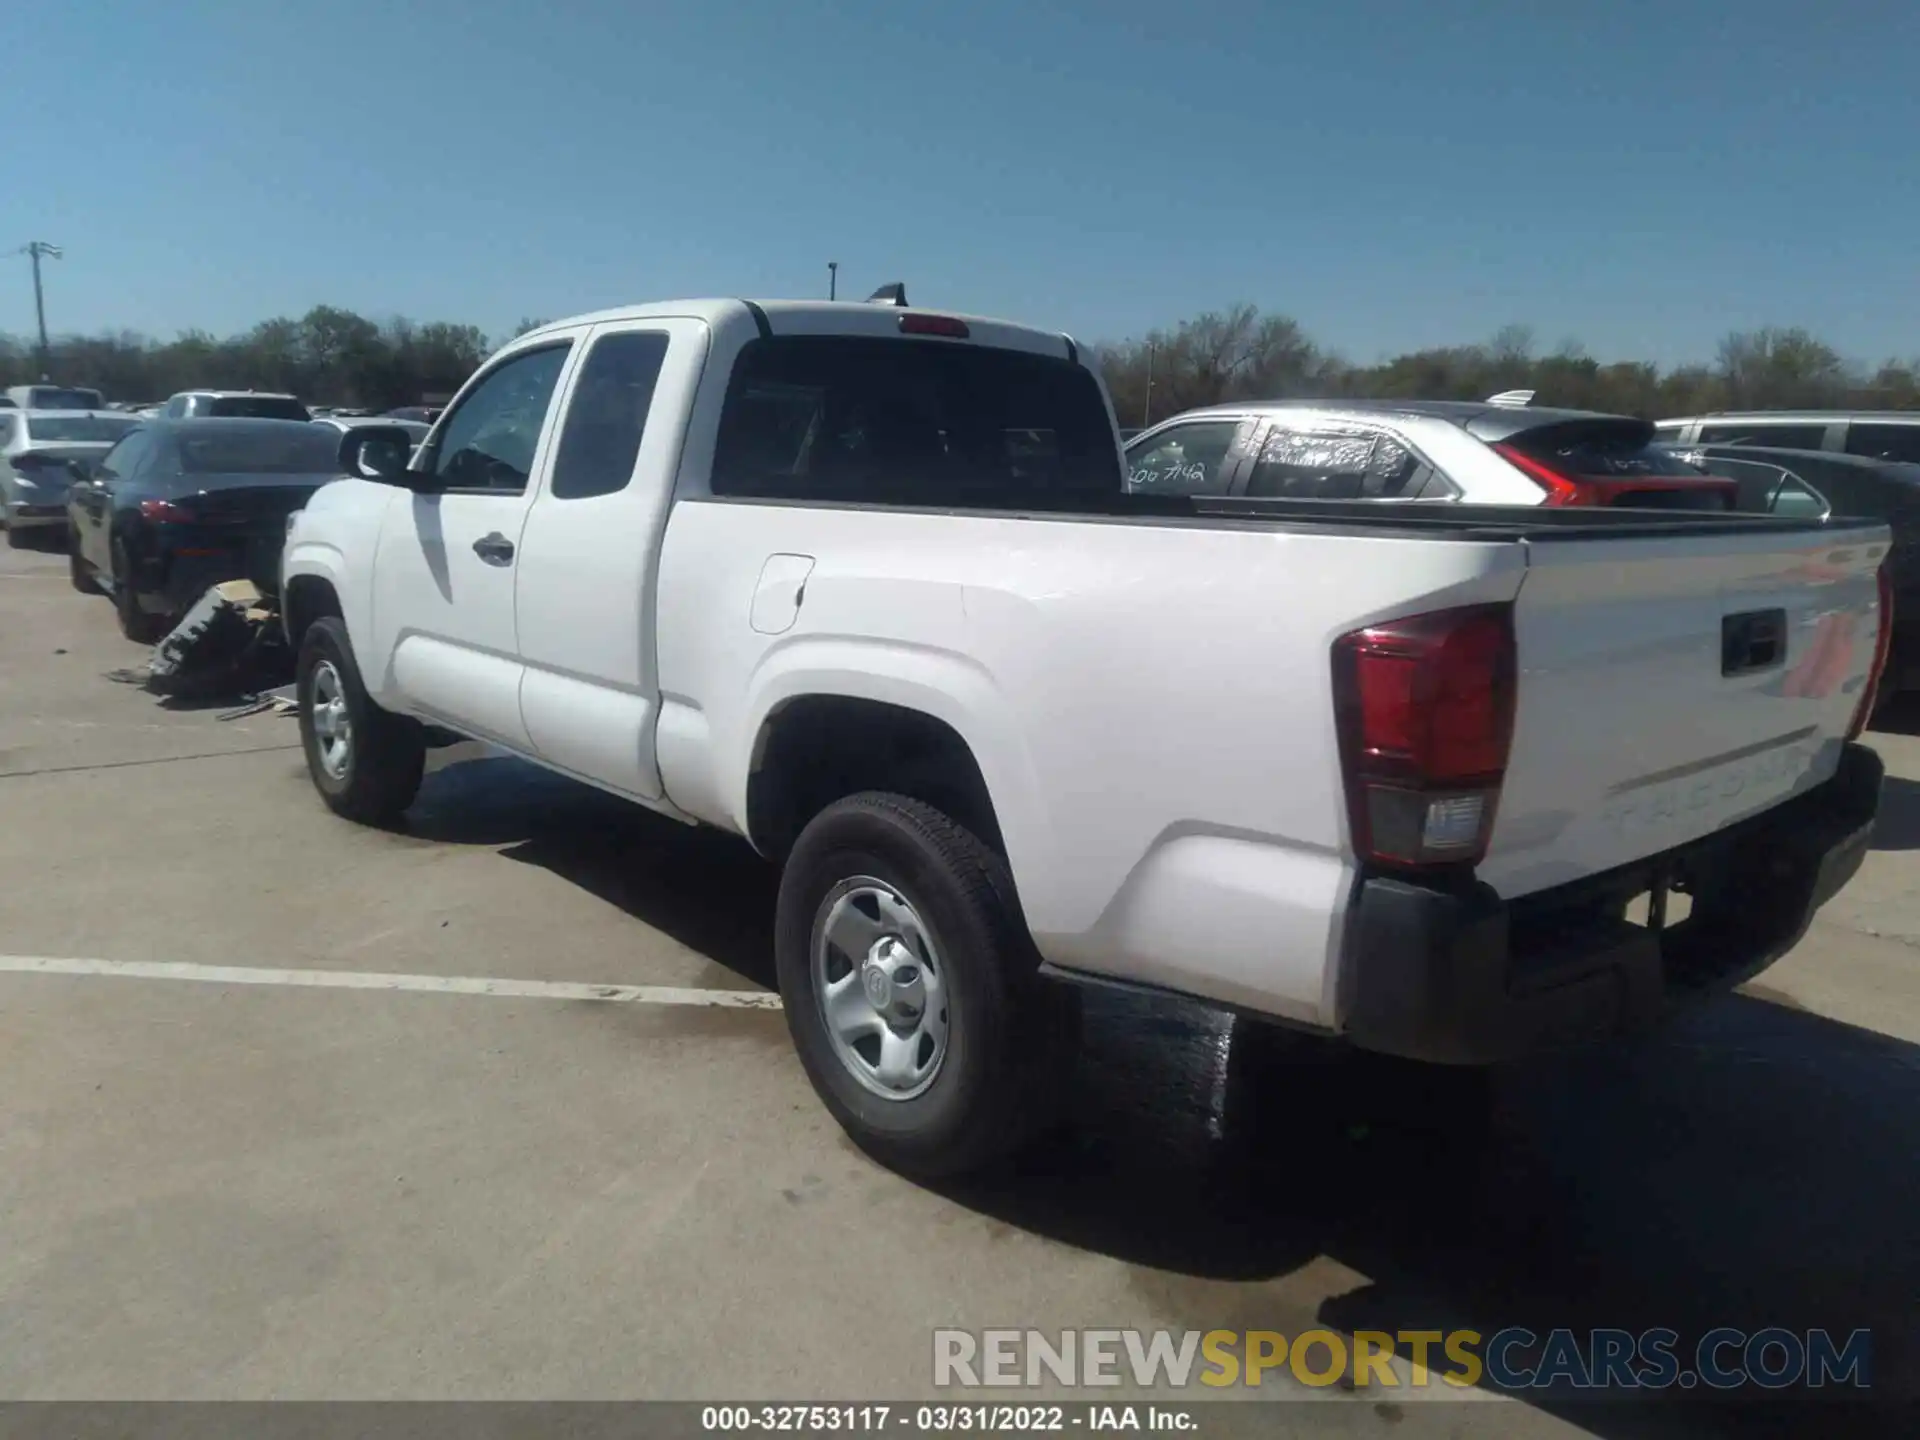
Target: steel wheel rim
[[881, 988], [332, 725]]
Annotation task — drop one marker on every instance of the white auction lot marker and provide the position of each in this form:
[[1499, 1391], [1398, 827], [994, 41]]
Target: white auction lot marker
[[370, 980]]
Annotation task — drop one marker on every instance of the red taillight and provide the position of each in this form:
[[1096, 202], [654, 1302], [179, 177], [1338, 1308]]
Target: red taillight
[[166, 512], [1882, 643], [914, 324], [1561, 490], [1609, 489], [1424, 707]]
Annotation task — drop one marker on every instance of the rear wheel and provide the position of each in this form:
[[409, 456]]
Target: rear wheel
[[911, 988], [365, 762], [17, 539], [135, 623]]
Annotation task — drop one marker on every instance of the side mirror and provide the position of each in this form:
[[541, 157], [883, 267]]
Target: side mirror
[[380, 453], [81, 471]]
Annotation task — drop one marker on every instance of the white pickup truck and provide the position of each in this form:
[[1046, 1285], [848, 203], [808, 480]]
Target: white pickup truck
[[863, 584]]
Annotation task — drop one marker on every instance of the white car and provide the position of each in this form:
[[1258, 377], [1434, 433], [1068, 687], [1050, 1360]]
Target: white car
[[1502, 451], [864, 584], [36, 451]]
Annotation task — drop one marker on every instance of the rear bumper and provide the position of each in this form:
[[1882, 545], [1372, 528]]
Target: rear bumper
[[1466, 978], [29, 516], [169, 582]]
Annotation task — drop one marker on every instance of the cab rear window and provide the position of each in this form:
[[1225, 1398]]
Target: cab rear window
[[913, 422]]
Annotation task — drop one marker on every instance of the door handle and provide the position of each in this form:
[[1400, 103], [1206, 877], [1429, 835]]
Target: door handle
[[495, 549]]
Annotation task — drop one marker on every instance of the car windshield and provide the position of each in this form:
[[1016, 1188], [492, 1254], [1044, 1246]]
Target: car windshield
[[79, 427], [247, 451]]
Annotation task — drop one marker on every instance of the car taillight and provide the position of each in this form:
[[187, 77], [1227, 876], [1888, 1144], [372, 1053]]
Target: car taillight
[[166, 512], [1424, 707], [1593, 490], [1882, 644], [1561, 489]]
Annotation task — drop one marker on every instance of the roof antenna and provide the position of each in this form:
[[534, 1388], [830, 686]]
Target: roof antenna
[[1518, 399], [894, 294]]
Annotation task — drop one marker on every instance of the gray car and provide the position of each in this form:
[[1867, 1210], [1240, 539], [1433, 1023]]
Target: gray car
[[35, 448]]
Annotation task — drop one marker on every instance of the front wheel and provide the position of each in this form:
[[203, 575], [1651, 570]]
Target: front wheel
[[17, 539], [911, 990], [365, 762]]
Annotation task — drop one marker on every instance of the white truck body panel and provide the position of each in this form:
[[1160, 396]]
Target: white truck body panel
[[1628, 740], [1148, 700]]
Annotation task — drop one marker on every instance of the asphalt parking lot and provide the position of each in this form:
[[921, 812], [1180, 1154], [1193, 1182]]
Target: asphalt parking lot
[[278, 1190]]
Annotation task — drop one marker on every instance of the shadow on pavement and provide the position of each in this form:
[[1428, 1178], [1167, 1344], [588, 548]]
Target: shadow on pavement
[[706, 890], [1753, 1165]]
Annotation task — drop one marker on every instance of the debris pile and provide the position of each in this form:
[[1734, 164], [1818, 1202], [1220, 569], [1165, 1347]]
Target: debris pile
[[228, 644]]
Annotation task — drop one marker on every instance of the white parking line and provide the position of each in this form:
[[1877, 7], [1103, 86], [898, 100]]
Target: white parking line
[[370, 980]]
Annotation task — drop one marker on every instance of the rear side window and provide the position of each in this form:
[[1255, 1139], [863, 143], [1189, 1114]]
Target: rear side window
[[913, 422], [257, 407], [1780, 437], [607, 415], [1885, 442], [1345, 464], [1301, 465], [1765, 488], [125, 458]]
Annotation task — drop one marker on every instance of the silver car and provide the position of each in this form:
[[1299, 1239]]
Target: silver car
[[36, 447]]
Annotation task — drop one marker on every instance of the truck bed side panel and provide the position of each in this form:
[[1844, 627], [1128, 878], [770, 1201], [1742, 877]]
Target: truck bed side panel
[[1149, 703]]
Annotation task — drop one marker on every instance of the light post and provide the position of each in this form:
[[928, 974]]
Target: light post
[[35, 249]]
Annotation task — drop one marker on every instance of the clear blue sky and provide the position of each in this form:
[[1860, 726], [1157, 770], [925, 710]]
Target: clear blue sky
[[1640, 176]]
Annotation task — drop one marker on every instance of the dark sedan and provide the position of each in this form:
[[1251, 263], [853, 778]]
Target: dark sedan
[[1819, 483], [180, 505]]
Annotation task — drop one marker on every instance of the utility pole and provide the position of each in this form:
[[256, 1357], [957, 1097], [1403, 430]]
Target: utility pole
[[35, 249], [1146, 416], [833, 279]]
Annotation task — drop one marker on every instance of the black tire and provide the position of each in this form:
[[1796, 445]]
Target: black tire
[[1010, 1034], [79, 573], [18, 539], [386, 756], [135, 623]]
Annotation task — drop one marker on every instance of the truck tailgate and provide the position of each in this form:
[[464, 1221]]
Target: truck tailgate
[[1671, 686]]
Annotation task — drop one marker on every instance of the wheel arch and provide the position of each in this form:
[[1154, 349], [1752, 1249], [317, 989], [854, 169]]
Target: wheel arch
[[925, 714]]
